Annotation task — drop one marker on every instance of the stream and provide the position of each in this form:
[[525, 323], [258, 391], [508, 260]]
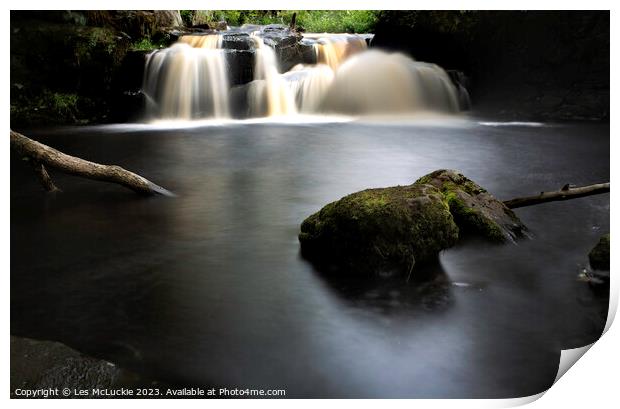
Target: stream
[[209, 288]]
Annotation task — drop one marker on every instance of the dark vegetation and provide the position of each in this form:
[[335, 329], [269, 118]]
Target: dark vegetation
[[72, 67], [538, 64]]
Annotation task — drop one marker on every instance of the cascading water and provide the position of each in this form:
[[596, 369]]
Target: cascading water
[[333, 49], [379, 82], [211, 41], [187, 80], [269, 93], [309, 84]]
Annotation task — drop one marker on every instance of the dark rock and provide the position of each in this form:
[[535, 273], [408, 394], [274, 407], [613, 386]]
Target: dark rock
[[462, 84], [380, 231], [286, 44], [45, 364], [239, 41], [307, 51], [474, 209], [391, 229], [238, 96], [240, 65], [599, 256]]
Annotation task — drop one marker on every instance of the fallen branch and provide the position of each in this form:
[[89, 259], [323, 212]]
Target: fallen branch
[[566, 193], [42, 156]]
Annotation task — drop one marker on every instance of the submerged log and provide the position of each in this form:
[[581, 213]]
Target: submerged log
[[567, 192], [43, 156]]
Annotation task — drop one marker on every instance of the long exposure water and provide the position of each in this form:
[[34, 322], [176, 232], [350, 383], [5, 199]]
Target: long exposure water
[[209, 288]]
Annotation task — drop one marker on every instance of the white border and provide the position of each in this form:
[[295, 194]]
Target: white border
[[592, 381]]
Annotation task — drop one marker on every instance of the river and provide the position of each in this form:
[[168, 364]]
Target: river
[[209, 288]]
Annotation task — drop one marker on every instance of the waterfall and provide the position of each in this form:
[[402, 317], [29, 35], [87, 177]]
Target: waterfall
[[269, 93], [309, 84], [187, 80], [212, 41], [333, 49], [380, 82]]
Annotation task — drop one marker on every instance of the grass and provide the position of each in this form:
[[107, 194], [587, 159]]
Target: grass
[[335, 21], [145, 44]]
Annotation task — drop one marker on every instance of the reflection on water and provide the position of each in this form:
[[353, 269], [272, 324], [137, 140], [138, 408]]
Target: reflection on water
[[209, 288]]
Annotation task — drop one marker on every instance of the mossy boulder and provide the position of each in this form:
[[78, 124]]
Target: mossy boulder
[[475, 210], [380, 230], [389, 230], [599, 256]]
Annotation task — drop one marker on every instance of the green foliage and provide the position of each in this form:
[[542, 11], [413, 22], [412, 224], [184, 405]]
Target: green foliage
[[145, 44], [94, 40], [46, 107], [64, 104], [350, 21], [186, 16]]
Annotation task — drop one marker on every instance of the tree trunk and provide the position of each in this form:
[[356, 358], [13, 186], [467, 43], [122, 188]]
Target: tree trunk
[[565, 193], [42, 155]]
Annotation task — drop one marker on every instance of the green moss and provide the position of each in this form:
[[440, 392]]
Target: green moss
[[470, 219], [599, 256], [392, 229], [380, 230], [474, 209]]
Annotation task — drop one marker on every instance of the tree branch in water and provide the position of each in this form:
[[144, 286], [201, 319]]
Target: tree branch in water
[[42, 156], [565, 193]]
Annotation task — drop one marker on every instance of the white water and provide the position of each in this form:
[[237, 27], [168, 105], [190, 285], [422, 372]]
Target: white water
[[189, 81], [334, 49], [269, 93], [378, 82]]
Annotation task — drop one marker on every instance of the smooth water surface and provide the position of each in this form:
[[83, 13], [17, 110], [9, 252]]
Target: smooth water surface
[[209, 288]]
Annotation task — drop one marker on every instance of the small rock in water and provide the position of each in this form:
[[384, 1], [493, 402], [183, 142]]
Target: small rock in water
[[599, 256]]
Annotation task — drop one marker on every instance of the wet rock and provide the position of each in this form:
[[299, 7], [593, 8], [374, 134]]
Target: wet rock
[[474, 209], [46, 364], [238, 97], [307, 51], [389, 230], [599, 256], [286, 44], [380, 231], [240, 64], [237, 41], [462, 84]]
